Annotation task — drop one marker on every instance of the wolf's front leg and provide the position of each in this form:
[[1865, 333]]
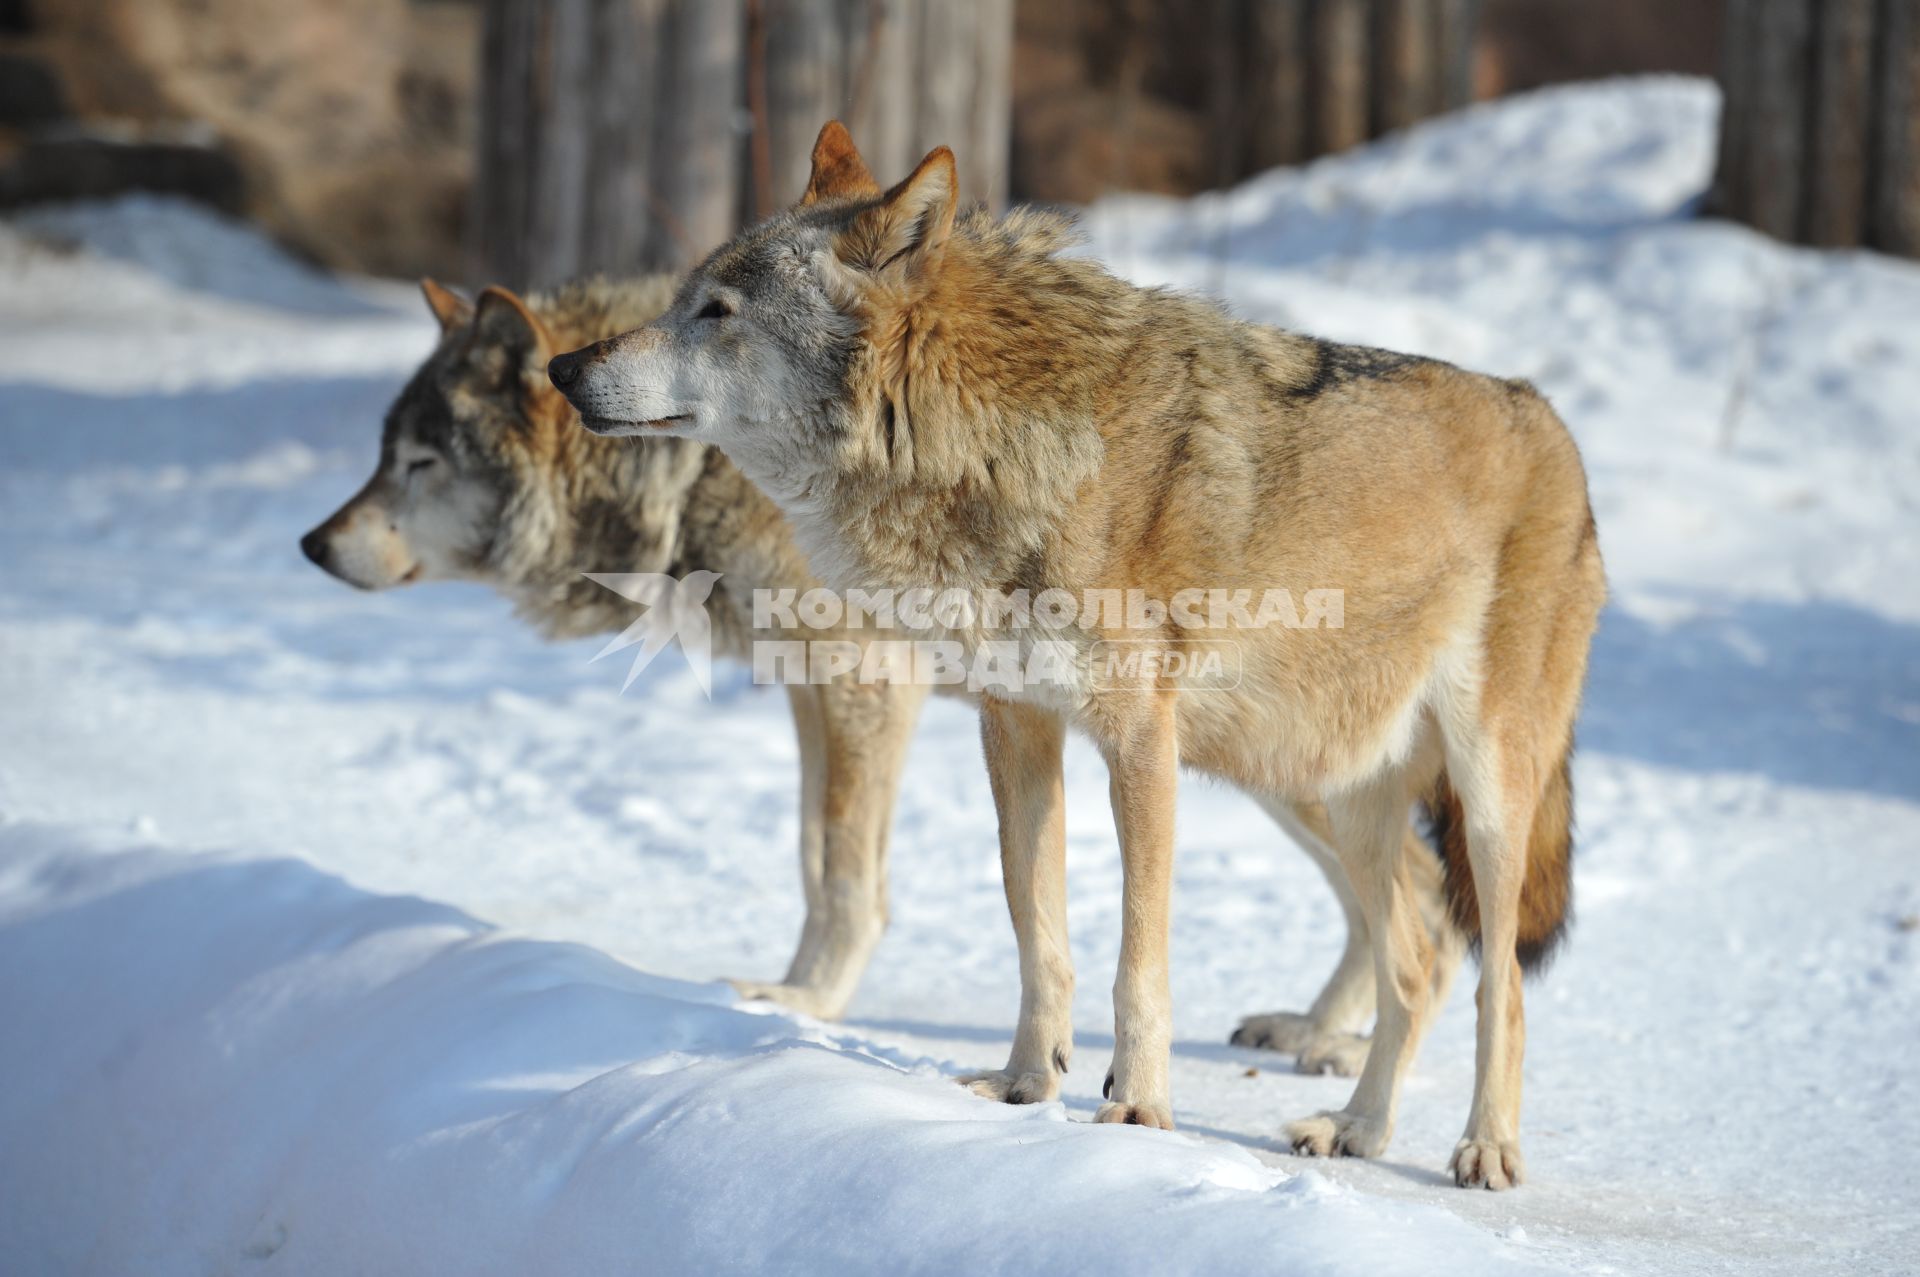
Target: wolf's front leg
[[1023, 749], [1144, 768], [853, 744]]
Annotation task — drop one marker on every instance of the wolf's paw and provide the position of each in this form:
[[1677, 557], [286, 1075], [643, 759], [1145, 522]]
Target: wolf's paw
[[1314, 1049], [1012, 1088], [1340, 1134], [1341, 1054], [1158, 1116], [1286, 1031], [798, 997], [1493, 1164]]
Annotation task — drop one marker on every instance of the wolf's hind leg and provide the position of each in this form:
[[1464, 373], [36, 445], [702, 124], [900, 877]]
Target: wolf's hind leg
[[1429, 893], [1495, 786], [853, 744], [1369, 827], [1327, 1037], [1023, 748]]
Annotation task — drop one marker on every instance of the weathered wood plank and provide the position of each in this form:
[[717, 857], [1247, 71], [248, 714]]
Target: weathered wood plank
[[1339, 81], [1776, 116], [628, 38], [557, 190], [806, 85], [1402, 64], [1275, 116], [1839, 125], [697, 156], [611, 132], [1895, 183]]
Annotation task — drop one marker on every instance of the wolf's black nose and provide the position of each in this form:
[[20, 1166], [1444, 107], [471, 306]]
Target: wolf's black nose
[[314, 546], [564, 370]]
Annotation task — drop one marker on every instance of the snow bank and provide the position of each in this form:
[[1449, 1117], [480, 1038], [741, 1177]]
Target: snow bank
[[172, 297], [219, 1061]]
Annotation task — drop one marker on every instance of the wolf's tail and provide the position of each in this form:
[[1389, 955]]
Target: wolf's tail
[[1546, 894]]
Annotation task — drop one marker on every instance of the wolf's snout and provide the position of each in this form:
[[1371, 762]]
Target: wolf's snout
[[315, 546], [564, 370]]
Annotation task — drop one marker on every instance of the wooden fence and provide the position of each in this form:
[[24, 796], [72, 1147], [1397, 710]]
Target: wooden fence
[[1820, 131], [628, 135]]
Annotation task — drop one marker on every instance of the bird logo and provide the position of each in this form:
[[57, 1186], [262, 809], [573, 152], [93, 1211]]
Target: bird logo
[[675, 608]]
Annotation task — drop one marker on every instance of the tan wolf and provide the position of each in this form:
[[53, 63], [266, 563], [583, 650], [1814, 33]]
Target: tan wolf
[[485, 475], [944, 401]]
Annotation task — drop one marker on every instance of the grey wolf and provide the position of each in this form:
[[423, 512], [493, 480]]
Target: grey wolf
[[485, 475], [943, 399]]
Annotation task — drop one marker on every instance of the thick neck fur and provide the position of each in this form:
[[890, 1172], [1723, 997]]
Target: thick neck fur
[[973, 415]]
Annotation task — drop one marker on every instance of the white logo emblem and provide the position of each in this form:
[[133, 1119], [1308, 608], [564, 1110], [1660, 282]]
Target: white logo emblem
[[674, 609]]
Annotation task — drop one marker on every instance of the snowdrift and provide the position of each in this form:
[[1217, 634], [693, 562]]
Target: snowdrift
[[224, 1062]]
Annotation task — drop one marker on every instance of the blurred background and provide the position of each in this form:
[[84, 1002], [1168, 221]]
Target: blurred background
[[526, 140]]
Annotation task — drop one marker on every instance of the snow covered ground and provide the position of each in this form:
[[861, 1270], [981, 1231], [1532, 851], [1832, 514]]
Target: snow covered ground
[[365, 933]]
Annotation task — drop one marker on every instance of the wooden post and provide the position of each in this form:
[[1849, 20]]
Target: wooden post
[[806, 87], [1776, 115], [1820, 122], [963, 99], [507, 99], [1338, 90], [1274, 115], [1894, 185], [1227, 122], [992, 124], [559, 161], [1455, 22], [1733, 177], [1297, 78], [698, 157], [620, 235], [610, 130], [1841, 98], [1404, 74], [904, 75]]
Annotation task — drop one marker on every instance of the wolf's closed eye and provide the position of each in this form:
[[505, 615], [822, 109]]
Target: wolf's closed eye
[[418, 464], [715, 309]]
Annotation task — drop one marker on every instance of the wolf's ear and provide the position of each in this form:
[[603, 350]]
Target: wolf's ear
[[509, 342], [837, 167], [909, 226], [449, 307], [501, 319]]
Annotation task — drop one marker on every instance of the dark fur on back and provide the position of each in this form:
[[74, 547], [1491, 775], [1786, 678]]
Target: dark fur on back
[[1335, 364]]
